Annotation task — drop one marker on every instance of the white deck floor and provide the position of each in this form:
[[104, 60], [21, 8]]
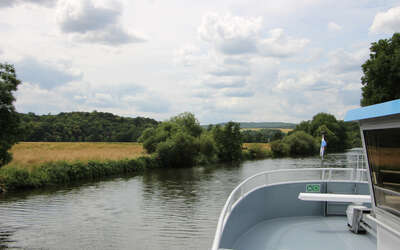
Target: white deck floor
[[304, 233]]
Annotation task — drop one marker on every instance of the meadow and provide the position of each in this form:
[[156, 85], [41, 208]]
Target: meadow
[[31, 154], [284, 130], [27, 154], [40, 164]]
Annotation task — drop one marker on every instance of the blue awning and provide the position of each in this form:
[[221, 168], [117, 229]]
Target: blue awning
[[373, 111]]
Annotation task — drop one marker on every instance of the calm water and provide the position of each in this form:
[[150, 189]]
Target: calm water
[[163, 209]]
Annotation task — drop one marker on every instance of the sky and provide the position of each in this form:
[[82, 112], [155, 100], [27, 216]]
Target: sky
[[251, 60]]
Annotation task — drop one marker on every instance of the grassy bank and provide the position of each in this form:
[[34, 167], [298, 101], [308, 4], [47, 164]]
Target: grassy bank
[[28, 154], [40, 164], [65, 172], [256, 151]]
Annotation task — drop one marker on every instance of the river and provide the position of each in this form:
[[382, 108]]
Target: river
[[159, 209]]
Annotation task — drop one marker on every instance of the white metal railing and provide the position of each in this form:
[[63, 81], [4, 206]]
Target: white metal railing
[[282, 176]]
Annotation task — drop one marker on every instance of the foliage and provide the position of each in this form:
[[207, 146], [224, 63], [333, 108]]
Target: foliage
[[83, 127], [188, 122], [176, 141], [300, 144], [382, 72], [270, 125], [228, 141], [182, 142], [296, 144], [326, 124], [280, 149], [257, 151], [353, 135], [63, 172], [207, 148], [303, 126], [9, 120], [179, 150], [151, 137], [262, 135]]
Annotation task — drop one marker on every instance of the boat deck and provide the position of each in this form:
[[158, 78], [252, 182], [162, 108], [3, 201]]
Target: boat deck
[[304, 233]]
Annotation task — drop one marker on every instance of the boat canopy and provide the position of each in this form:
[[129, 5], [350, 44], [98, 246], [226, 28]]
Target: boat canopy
[[374, 111]]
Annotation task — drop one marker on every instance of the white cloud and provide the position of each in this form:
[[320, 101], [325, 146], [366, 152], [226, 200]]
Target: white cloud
[[333, 87], [342, 61], [152, 103], [31, 98], [188, 55], [224, 82], [47, 74], [222, 28], [235, 35], [332, 26], [95, 22], [12, 3], [387, 22], [280, 45]]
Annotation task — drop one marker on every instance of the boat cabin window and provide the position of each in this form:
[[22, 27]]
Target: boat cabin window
[[383, 150]]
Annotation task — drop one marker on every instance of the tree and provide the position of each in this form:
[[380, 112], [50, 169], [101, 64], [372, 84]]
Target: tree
[[381, 78], [299, 143], [9, 120], [228, 142], [334, 130], [180, 150]]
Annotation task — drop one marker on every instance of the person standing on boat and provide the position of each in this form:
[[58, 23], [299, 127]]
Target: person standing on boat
[[323, 147]]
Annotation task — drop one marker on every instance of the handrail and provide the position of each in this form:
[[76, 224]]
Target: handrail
[[324, 174], [383, 225]]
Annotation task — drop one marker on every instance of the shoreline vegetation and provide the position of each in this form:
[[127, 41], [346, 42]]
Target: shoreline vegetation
[[175, 143], [43, 164]]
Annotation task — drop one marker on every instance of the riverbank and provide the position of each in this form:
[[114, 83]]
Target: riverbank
[[41, 164], [64, 172]]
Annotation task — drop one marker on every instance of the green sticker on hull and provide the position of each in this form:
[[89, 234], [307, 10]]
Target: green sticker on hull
[[313, 188]]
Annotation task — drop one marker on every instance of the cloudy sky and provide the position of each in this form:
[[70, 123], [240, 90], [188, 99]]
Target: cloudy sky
[[248, 60]]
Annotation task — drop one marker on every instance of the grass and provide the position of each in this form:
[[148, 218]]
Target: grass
[[284, 130], [265, 146], [29, 154], [26, 154], [253, 151], [40, 164]]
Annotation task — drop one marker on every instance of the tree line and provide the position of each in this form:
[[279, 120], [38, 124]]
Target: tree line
[[305, 139], [264, 135], [82, 126]]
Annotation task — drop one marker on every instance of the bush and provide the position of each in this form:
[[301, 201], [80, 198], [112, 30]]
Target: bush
[[300, 144], [178, 151], [256, 151], [182, 142], [280, 149], [208, 150], [228, 142], [62, 172]]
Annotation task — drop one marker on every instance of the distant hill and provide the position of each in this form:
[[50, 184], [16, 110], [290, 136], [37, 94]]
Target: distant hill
[[264, 125], [82, 126]]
